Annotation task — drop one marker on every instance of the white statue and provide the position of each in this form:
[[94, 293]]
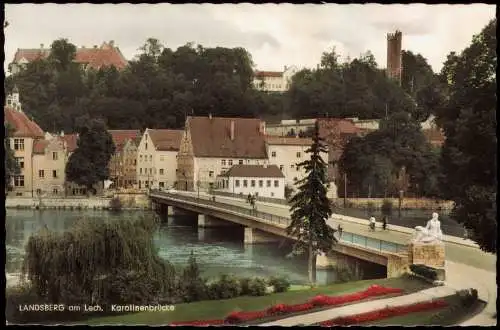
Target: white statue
[[431, 233]]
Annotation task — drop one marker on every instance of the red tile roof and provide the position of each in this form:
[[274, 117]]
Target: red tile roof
[[39, 146], [254, 171], [106, 55], [121, 136], [434, 136], [291, 141], [166, 139], [71, 141], [211, 137], [24, 127], [273, 74]]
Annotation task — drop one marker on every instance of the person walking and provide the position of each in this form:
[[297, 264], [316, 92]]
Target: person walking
[[372, 223], [384, 222], [339, 229]]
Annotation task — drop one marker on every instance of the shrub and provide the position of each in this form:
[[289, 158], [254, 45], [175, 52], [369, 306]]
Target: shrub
[[467, 297], [192, 287], [425, 271], [279, 284], [226, 287], [370, 207], [288, 192], [257, 287], [244, 284], [115, 204], [387, 207]]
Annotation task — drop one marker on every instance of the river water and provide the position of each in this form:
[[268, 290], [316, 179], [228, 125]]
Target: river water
[[217, 251]]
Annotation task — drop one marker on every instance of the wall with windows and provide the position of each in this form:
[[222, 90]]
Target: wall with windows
[[206, 170], [22, 184], [49, 169], [263, 187]]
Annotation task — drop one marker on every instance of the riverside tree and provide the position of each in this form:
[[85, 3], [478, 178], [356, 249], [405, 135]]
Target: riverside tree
[[88, 164], [469, 156], [311, 208]]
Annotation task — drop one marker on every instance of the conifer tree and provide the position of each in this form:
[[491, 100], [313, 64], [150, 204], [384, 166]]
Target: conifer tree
[[311, 208]]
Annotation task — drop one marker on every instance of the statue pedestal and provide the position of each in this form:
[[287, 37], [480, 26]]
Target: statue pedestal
[[429, 254]]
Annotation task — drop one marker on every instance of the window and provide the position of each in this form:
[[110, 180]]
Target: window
[[39, 191], [223, 162], [261, 183], [140, 170], [54, 174], [240, 162], [146, 146], [252, 183], [150, 158], [276, 183], [237, 183], [135, 161], [20, 162], [150, 170], [245, 183], [230, 162], [273, 154], [211, 173], [140, 158], [268, 183], [161, 184], [41, 174], [54, 155], [18, 144], [161, 171], [292, 166], [19, 181], [54, 191], [272, 194], [298, 154], [281, 167]]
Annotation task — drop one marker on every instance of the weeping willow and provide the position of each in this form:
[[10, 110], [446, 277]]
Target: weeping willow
[[99, 262]]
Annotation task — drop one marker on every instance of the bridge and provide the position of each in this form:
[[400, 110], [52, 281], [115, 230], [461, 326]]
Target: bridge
[[265, 227]]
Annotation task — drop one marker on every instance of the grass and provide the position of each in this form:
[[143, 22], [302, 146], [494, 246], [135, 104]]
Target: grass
[[219, 309], [453, 314]]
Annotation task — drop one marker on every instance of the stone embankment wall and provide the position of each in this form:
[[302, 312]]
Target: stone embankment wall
[[129, 202]]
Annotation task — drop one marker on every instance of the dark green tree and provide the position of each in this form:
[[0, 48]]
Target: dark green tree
[[62, 54], [311, 208], [11, 167], [88, 164], [469, 156], [192, 286]]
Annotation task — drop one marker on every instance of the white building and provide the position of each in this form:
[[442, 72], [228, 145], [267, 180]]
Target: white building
[[290, 127], [157, 158], [259, 180], [212, 145], [274, 81]]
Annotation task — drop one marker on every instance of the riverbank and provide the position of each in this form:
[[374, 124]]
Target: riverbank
[[128, 201]]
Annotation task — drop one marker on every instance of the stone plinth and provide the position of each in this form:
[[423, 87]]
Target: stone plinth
[[431, 255]]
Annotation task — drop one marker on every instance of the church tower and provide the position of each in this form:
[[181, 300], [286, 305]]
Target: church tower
[[394, 58]]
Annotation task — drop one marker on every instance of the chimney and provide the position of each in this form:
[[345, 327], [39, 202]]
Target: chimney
[[285, 68], [62, 133], [262, 127], [111, 43], [210, 115], [232, 130], [41, 46]]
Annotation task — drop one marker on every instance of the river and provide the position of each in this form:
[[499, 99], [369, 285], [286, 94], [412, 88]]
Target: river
[[217, 250]]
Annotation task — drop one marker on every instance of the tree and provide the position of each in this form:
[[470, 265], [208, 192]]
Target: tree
[[469, 156], [311, 208], [62, 54], [88, 164], [11, 167], [192, 285]]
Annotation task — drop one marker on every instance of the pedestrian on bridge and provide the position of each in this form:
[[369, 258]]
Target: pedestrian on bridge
[[339, 229], [372, 223], [384, 222]]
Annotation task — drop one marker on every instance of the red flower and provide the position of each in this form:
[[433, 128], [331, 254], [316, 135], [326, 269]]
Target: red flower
[[277, 309]]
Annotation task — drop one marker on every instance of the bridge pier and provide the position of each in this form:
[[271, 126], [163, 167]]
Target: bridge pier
[[397, 265], [324, 261], [206, 221], [254, 236]]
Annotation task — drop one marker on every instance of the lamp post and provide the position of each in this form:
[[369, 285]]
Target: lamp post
[[400, 201]]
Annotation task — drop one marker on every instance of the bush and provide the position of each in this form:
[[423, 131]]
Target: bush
[[387, 207], [257, 287], [288, 192], [226, 287], [192, 287], [467, 297], [244, 284], [115, 204], [279, 284], [425, 271], [370, 207]]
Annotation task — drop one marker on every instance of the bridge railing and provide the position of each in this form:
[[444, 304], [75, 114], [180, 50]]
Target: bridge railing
[[360, 240]]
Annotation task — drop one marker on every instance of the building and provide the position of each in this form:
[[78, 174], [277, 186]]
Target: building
[[290, 127], [157, 158], [394, 56], [274, 81], [96, 57], [50, 157], [259, 180], [129, 156], [26, 134], [119, 170], [212, 145]]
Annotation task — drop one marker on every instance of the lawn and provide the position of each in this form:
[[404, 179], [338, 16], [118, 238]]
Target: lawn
[[452, 315], [219, 309]]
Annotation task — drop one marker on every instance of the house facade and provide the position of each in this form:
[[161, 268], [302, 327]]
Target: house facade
[[258, 180], [88, 57], [50, 157], [274, 81], [129, 156], [157, 158], [118, 168], [210, 146], [26, 134]]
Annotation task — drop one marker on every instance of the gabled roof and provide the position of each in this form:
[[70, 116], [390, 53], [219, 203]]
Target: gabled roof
[[290, 141], [121, 136], [211, 137], [71, 141], [166, 139], [274, 74], [106, 55], [24, 127], [254, 171], [435, 136]]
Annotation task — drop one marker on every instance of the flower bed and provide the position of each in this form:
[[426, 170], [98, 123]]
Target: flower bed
[[283, 309], [385, 313]]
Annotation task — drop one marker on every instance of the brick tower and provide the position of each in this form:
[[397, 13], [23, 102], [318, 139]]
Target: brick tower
[[394, 65]]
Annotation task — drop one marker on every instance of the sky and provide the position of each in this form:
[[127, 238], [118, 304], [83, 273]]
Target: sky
[[275, 35]]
